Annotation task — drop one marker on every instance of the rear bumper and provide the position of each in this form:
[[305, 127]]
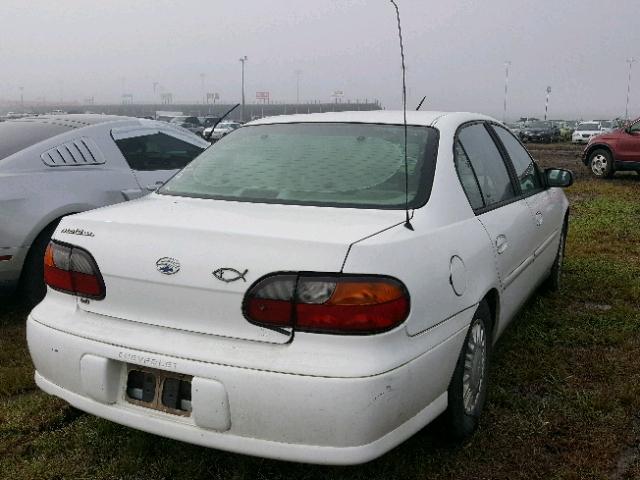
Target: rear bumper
[[300, 418]]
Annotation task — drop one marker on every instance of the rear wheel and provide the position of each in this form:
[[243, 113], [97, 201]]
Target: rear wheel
[[32, 284], [468, 388], [601, 163]]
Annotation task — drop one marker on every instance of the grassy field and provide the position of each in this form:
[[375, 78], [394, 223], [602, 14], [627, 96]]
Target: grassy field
[[564, 397]]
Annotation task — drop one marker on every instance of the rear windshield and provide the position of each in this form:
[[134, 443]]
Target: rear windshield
[[329, 164], [18, 135]]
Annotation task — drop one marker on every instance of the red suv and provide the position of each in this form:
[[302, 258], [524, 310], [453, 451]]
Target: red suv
[[618, 150]]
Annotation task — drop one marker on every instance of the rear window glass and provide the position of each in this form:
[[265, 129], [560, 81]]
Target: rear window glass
[[158, 151], [18, 135], [332, 164]]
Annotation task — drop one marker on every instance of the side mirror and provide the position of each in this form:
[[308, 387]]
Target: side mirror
[[558, 177]]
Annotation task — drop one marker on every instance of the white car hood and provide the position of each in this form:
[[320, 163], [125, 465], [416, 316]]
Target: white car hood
[[203, 236]]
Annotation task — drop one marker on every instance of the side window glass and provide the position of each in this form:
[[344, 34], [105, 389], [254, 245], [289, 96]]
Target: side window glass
[[488, 165], [468, 177], [158, 151], [525, 167]]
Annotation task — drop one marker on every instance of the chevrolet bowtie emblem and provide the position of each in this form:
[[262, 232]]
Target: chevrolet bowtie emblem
[[229, 275]]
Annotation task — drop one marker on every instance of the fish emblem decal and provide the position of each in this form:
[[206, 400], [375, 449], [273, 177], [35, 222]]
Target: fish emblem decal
[[229, 275]]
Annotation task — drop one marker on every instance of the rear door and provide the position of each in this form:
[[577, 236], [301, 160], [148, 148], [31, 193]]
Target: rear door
[[504, 215], [154, 155]]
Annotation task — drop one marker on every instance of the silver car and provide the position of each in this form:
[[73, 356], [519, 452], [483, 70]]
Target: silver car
[[52, 166]]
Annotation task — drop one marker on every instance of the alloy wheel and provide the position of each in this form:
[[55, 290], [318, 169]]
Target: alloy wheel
[[599, 164]]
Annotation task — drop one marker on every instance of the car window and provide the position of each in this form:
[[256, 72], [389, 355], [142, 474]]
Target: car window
[[635, 128], [525, 167], [487, 164], [158, 151], [468, 177]]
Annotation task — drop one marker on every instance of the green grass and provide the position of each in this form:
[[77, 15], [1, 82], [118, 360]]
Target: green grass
[[564, 399]]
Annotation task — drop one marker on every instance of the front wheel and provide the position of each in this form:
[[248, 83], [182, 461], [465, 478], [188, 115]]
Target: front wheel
[[468, 388], [601, 163]]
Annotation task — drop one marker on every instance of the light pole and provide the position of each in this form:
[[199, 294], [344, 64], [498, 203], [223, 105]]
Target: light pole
[[22, 98], [242, 60], [202, 75], [298, 73], [546, 104], [507, 64], [626, 108]]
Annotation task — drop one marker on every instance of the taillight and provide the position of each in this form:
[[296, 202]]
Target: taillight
[[331, 303], [72, 270]]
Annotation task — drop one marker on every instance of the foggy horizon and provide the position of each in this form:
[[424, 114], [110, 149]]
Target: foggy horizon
[[455, 53]]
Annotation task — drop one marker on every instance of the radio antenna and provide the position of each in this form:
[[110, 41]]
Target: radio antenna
[[407, 222], [421, 102]]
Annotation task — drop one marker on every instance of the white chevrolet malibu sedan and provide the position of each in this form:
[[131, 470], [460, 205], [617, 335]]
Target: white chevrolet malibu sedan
[[272, 299]]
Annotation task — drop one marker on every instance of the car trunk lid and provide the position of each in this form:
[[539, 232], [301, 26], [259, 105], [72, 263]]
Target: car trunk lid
[[187, 263]]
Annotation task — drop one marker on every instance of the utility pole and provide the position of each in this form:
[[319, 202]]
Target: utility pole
[[155, 87], [242, 61], [22, 98], [298, 73], [546, 104], [507, 64], [626, 108]]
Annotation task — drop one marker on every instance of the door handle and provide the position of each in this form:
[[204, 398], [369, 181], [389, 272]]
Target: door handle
[[501, 244], [539, 219]]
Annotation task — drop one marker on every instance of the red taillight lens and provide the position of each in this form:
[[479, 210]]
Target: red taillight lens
[[328, 303], [72, 270]]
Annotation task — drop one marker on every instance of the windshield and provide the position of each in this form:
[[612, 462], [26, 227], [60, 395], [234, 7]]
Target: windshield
[[331, 164], [588, 127]]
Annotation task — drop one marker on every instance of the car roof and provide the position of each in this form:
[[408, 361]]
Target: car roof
[[22, 133], [392, 117], [74, 120]]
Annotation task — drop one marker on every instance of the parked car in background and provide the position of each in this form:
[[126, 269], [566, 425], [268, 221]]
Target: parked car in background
[[516, 128], [584, 131], [209, 121], [566, 130], [192, 124], [271, 300], [618, 150], [607, 126], [544, 132], [55, 166], [220, 130]]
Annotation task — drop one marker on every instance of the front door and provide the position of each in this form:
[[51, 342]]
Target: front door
[[629, 144]]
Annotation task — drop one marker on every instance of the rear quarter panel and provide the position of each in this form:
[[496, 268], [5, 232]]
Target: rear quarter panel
[[445, 228]]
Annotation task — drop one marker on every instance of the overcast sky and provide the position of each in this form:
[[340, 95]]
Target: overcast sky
[[455, 51]]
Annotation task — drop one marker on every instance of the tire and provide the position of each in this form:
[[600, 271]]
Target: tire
[[554, 281], [601, 163], [467, 391], [32, 287]]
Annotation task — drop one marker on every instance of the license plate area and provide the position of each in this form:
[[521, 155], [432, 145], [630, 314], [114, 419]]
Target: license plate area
[[159, 390]]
